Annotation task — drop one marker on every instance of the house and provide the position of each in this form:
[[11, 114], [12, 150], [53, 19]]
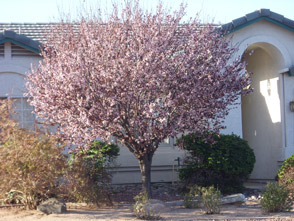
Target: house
[[265, 118]]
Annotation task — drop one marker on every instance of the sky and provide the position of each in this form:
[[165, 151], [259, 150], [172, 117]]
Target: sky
[[218, 11]]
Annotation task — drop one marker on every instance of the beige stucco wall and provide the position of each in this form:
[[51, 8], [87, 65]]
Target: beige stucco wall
[[164, 166], [267, 122], [261, 114]]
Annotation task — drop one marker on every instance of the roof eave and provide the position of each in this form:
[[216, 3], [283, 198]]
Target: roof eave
[[253, 17], [36, 50], [21, 40], [259, 19]]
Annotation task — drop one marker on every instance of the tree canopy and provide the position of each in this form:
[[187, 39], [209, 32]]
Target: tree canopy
[[138, 76]]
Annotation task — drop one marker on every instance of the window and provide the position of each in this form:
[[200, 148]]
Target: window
[[24, 114]]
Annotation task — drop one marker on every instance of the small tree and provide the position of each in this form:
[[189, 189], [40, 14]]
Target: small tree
[[136, 76]]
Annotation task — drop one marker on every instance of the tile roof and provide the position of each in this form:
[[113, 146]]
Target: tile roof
[[256, 16], [34, 31], [23, 32]]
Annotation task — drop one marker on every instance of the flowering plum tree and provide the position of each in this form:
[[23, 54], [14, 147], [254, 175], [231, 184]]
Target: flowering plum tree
[[138, 77]]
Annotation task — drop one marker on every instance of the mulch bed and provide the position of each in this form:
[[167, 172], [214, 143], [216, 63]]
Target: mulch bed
[[124, 194], [162, 191]]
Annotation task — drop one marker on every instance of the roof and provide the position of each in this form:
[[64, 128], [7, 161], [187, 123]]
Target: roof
[[34, 31], [21, 40], [28, 35], [32, 35], [261, 14]]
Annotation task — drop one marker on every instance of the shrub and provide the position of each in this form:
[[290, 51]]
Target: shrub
[[224, 161], [193, 198], [210, 197], [276, 198], [286, 174], [144, 208], [13, 197], [32, 162], [88, 177], [33, 167]]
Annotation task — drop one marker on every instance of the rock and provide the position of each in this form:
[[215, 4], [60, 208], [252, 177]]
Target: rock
[[235, 198], [231, 199], [156, 206], [52, 205], [150, 209]]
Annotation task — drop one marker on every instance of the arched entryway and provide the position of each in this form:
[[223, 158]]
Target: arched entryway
[[262, 111]]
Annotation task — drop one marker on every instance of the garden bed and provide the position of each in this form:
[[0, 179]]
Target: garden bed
[[250, 210], [123, 200]]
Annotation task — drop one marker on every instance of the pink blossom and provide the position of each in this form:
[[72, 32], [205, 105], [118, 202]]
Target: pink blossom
[[139, 77]]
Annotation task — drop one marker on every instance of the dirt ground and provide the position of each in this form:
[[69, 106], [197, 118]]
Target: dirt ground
[[246, 211]]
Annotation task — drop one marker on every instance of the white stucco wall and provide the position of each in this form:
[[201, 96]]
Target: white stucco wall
[[13, 71]]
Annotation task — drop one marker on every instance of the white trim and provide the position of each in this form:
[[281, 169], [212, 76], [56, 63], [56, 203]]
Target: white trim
[[285, 70], [15, 69]]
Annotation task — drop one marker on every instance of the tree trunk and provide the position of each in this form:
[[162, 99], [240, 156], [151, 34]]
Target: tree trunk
[[145, 167]]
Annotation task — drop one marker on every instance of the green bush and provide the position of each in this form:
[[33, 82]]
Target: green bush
[[88, 176], [276, 198], [286, 174], [224, 161], [289, 162]]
